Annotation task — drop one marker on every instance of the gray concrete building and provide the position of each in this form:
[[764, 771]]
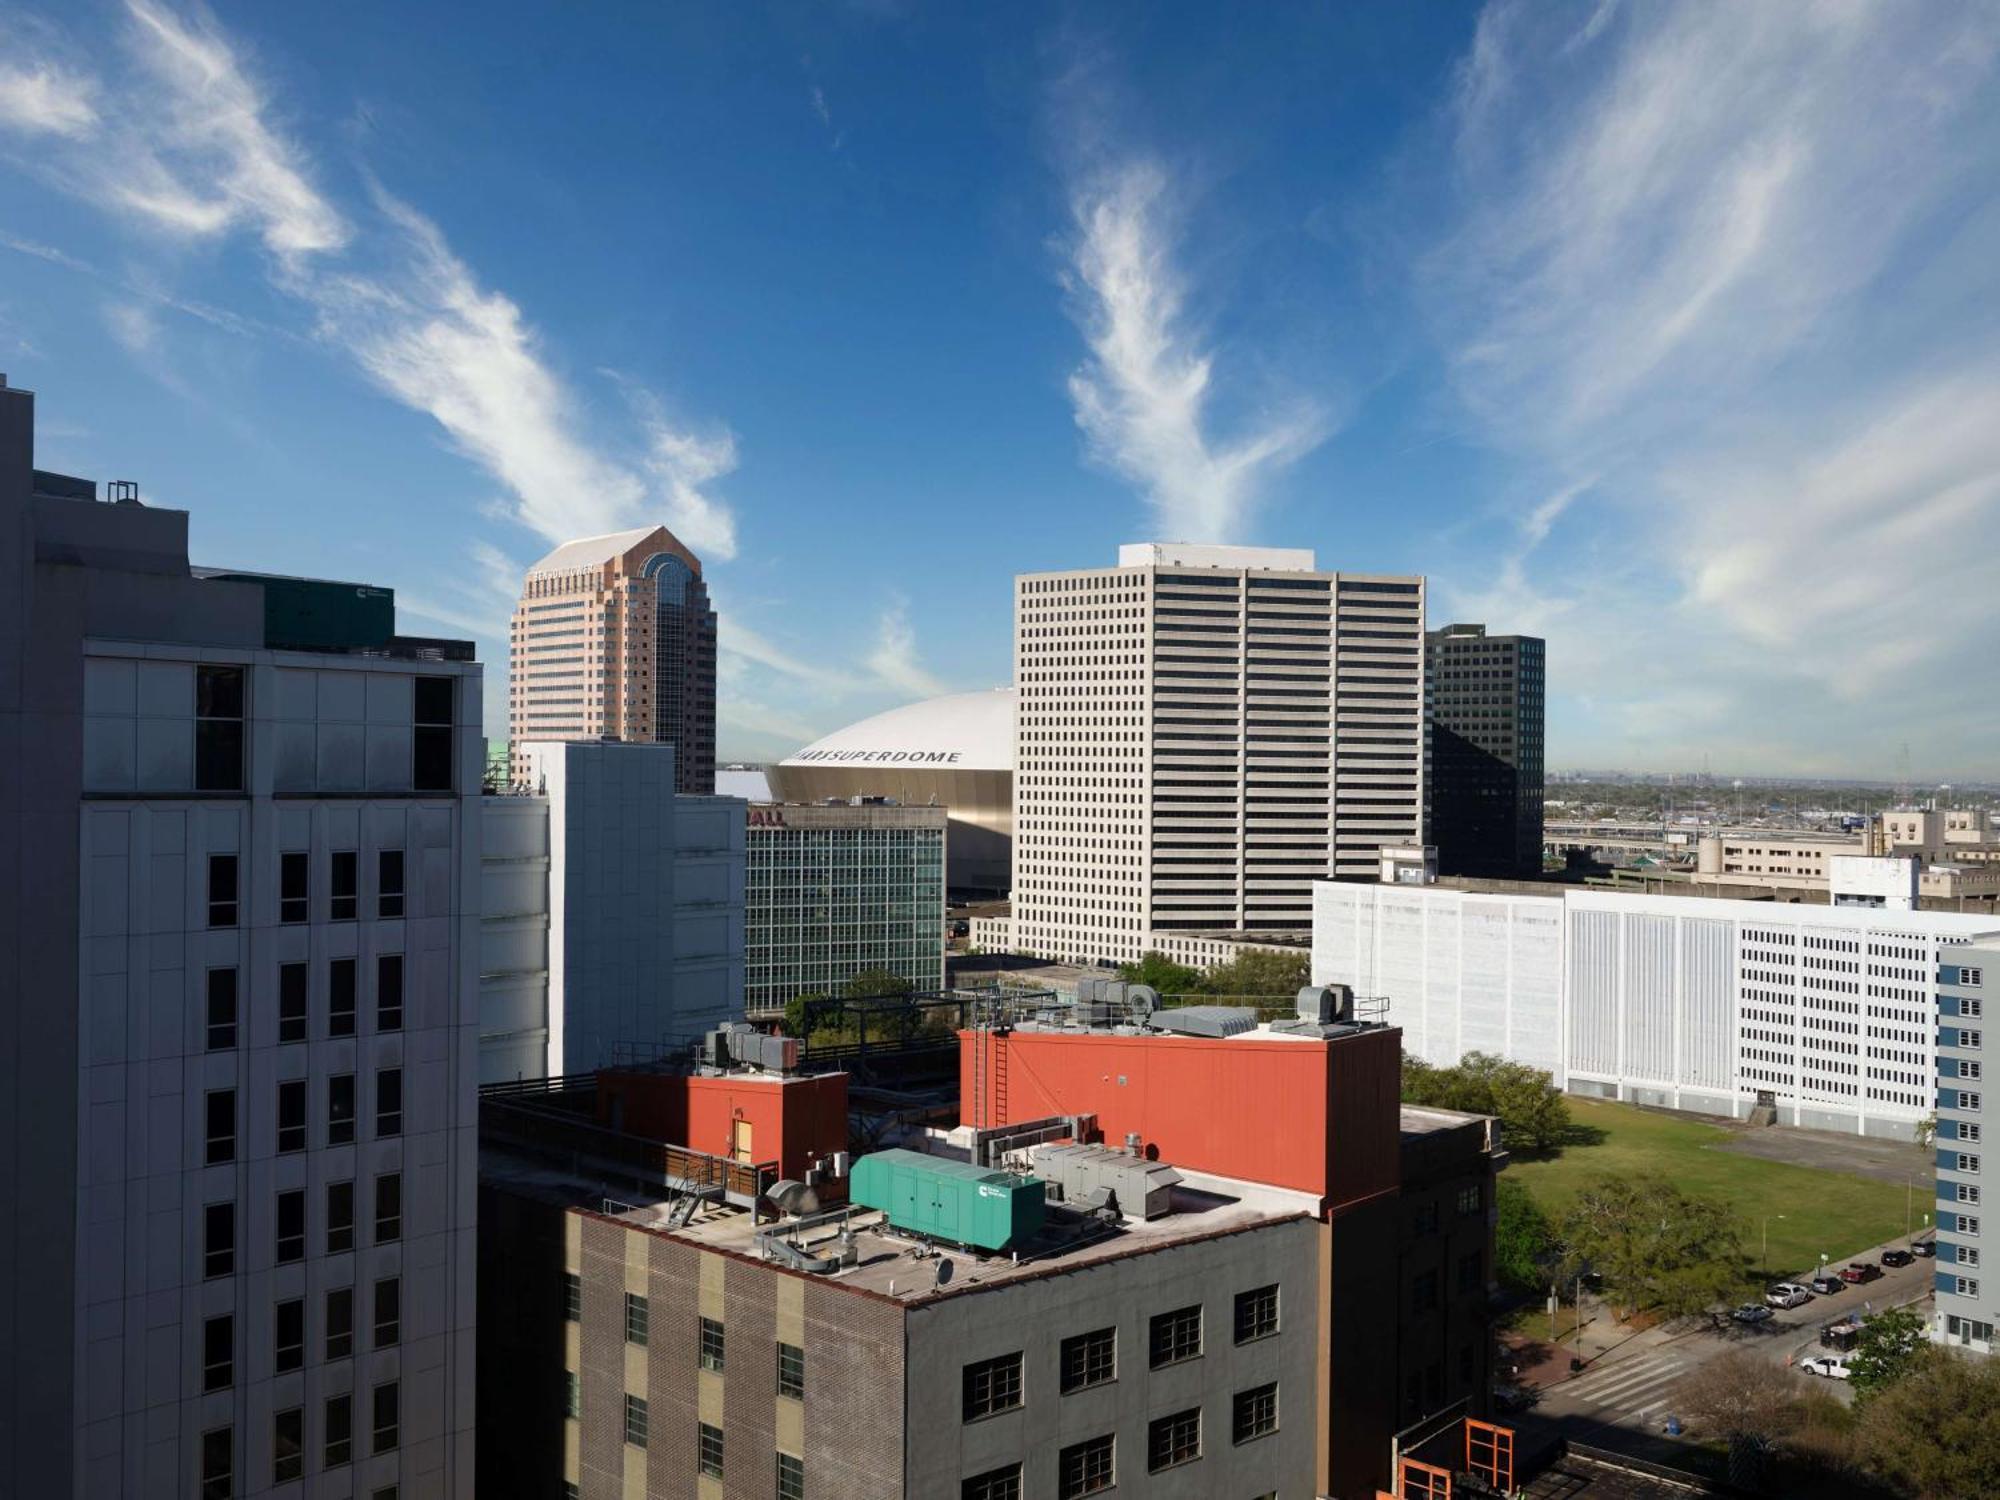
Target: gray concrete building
[[238, 918], [1968, 1301]]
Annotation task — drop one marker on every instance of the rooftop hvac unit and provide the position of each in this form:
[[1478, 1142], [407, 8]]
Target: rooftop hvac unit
[[1139, 1189], [1326, 1004], [1206, 1020]]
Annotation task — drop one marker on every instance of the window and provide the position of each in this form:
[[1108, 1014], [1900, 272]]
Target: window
[[572, 1297], [221, 1126], [1254, 1413], [1968, 1224], [339, 1431], [1173, 1440], [288, 1445], [291, 1115], [340, 1322], [572, 1394], [1968, 1286], [340, 1109], [1967, 1101], [218, 1463], [388, 1312], [1176, 1336], [1968, 1130], [341, 895], [638, 1319], [710, 1454], [432, 717], [1968, 1255], [218, 729], [218, 1239], [1968, 1192], [1468, 1272], [1425, 1219], [339, 1217], [709, 1348], [1470, 1199], [1423, 1291], [1086, 1468], [294, 886], [291, 1226], [387, 1404], [994, 1484], [791, 1371], [389, 992], [635, 1420], [222, 903], [389, 883], [1256, 1313], [1968, 1039], [288, 1339], [1089, 1359], [992, 1385], [1968, 1068], [218, 1352], [388, 1208], [1972, 1010], [292, 1002], [791, 1477], [340, 988], [1967, 1163], [388, 1101]]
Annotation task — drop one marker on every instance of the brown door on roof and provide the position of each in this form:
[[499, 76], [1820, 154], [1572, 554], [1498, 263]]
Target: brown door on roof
[[739, 1142]]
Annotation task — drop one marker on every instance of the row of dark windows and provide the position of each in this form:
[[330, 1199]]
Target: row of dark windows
[[220, 1119]]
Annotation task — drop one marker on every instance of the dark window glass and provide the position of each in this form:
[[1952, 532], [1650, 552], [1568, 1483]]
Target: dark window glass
[[710, 1455], [1424, 1291], [388, 1312], [1256, 1313], [994, 1484], [218, 1352], [222, 905], [339, 1217], [221, 1009], [1468, 1272], [791, 1477], [572, 1298], [1089, 1359], [709, 1350], [340, 1322], [388, 1101], [294, 886], [638, 1319], [339, 1431], [431, 771], [635, 1420], [1086, 1468], [340, 1109], [389, 883], [388, 1208], [218, 729], [992, 1385], [218, 1463], [291, 1226], [1255, 1413], [291, 1115], [340, 991], [343, 894], [288, 1445], [572, 1394], [1176, 1336], [221, 1126], [293, 980], [791, 1370], [389, 992], [218, 1239], [288, 1351], [1173, 1439]]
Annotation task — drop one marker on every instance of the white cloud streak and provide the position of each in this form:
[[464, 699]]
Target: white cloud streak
[[895, 659], [42, 98], [1142, 397]]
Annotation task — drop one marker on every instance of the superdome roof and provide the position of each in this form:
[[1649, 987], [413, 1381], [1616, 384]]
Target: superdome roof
[[964, 731]]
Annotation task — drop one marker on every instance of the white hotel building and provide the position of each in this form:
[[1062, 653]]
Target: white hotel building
[[1826, 1014]]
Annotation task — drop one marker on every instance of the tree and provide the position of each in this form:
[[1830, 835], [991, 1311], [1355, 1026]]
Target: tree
[[1534, 1115], [1735, 1398], [1524, 1241], [1931, 1434], [804, 1014], [1655, 1245], [1259, 972], [1891, 1345], [1162, 973], [875, 984]]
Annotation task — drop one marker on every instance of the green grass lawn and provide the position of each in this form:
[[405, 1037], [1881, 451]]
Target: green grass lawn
[[1837, 1213]]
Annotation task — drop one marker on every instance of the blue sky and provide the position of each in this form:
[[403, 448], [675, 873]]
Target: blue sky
[[1668, 332]]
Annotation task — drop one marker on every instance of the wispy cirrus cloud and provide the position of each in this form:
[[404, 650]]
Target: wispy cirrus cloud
[[895, 660], [42, 97], [1143, 397]]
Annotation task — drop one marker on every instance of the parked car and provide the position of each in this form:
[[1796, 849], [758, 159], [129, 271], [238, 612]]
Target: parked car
[[1832, 1366], [1752, 1313], [1841, 1335], [1897, 1257], [1925, 1248], [1858, 1271], [1511, 1398], [1787, 1294], [1827, 1284]]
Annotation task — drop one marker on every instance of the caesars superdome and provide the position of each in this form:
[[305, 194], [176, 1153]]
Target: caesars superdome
[[955, 752]]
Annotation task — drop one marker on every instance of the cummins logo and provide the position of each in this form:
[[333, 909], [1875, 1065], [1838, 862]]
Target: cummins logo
[[885, 757]]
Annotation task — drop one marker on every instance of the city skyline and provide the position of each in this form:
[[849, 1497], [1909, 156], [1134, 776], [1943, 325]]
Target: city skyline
[[828, 293]]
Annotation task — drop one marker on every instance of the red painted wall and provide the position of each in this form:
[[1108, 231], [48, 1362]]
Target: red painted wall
[[793, 1121], [1318, 1117]]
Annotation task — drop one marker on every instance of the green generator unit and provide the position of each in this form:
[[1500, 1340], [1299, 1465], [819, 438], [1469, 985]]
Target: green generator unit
[[952, 1201]]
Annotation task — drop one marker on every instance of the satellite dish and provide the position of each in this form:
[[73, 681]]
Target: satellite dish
[[943, 1269]]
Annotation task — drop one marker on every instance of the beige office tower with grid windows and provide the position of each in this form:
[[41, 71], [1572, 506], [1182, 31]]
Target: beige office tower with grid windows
[[614, 638], [1203, 732]]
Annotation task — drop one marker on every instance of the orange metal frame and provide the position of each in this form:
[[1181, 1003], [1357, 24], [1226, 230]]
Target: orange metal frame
[[1489, 1452], [1421, 1481]]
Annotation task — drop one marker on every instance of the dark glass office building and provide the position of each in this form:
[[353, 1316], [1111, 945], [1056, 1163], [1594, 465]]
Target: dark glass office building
[[1486, 750]]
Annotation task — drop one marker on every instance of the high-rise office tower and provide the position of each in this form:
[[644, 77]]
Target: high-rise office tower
[[1203, 732], [1486, 767], [614, 639], [239, 905]]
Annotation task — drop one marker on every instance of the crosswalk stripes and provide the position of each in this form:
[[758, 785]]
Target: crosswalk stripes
[[1640, 1388]]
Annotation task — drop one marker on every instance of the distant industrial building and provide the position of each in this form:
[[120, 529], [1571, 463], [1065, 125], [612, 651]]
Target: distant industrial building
[[956, 753], [239, 986], [1821, 1016], [1486, 760], [1202, 733], [832, 892], [614, 638], [613, 911]]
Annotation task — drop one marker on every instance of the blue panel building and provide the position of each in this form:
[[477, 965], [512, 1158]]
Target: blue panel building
[[1968, 1299]]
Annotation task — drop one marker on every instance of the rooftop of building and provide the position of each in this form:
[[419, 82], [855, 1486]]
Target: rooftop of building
[[959, 732], [591, 551]]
